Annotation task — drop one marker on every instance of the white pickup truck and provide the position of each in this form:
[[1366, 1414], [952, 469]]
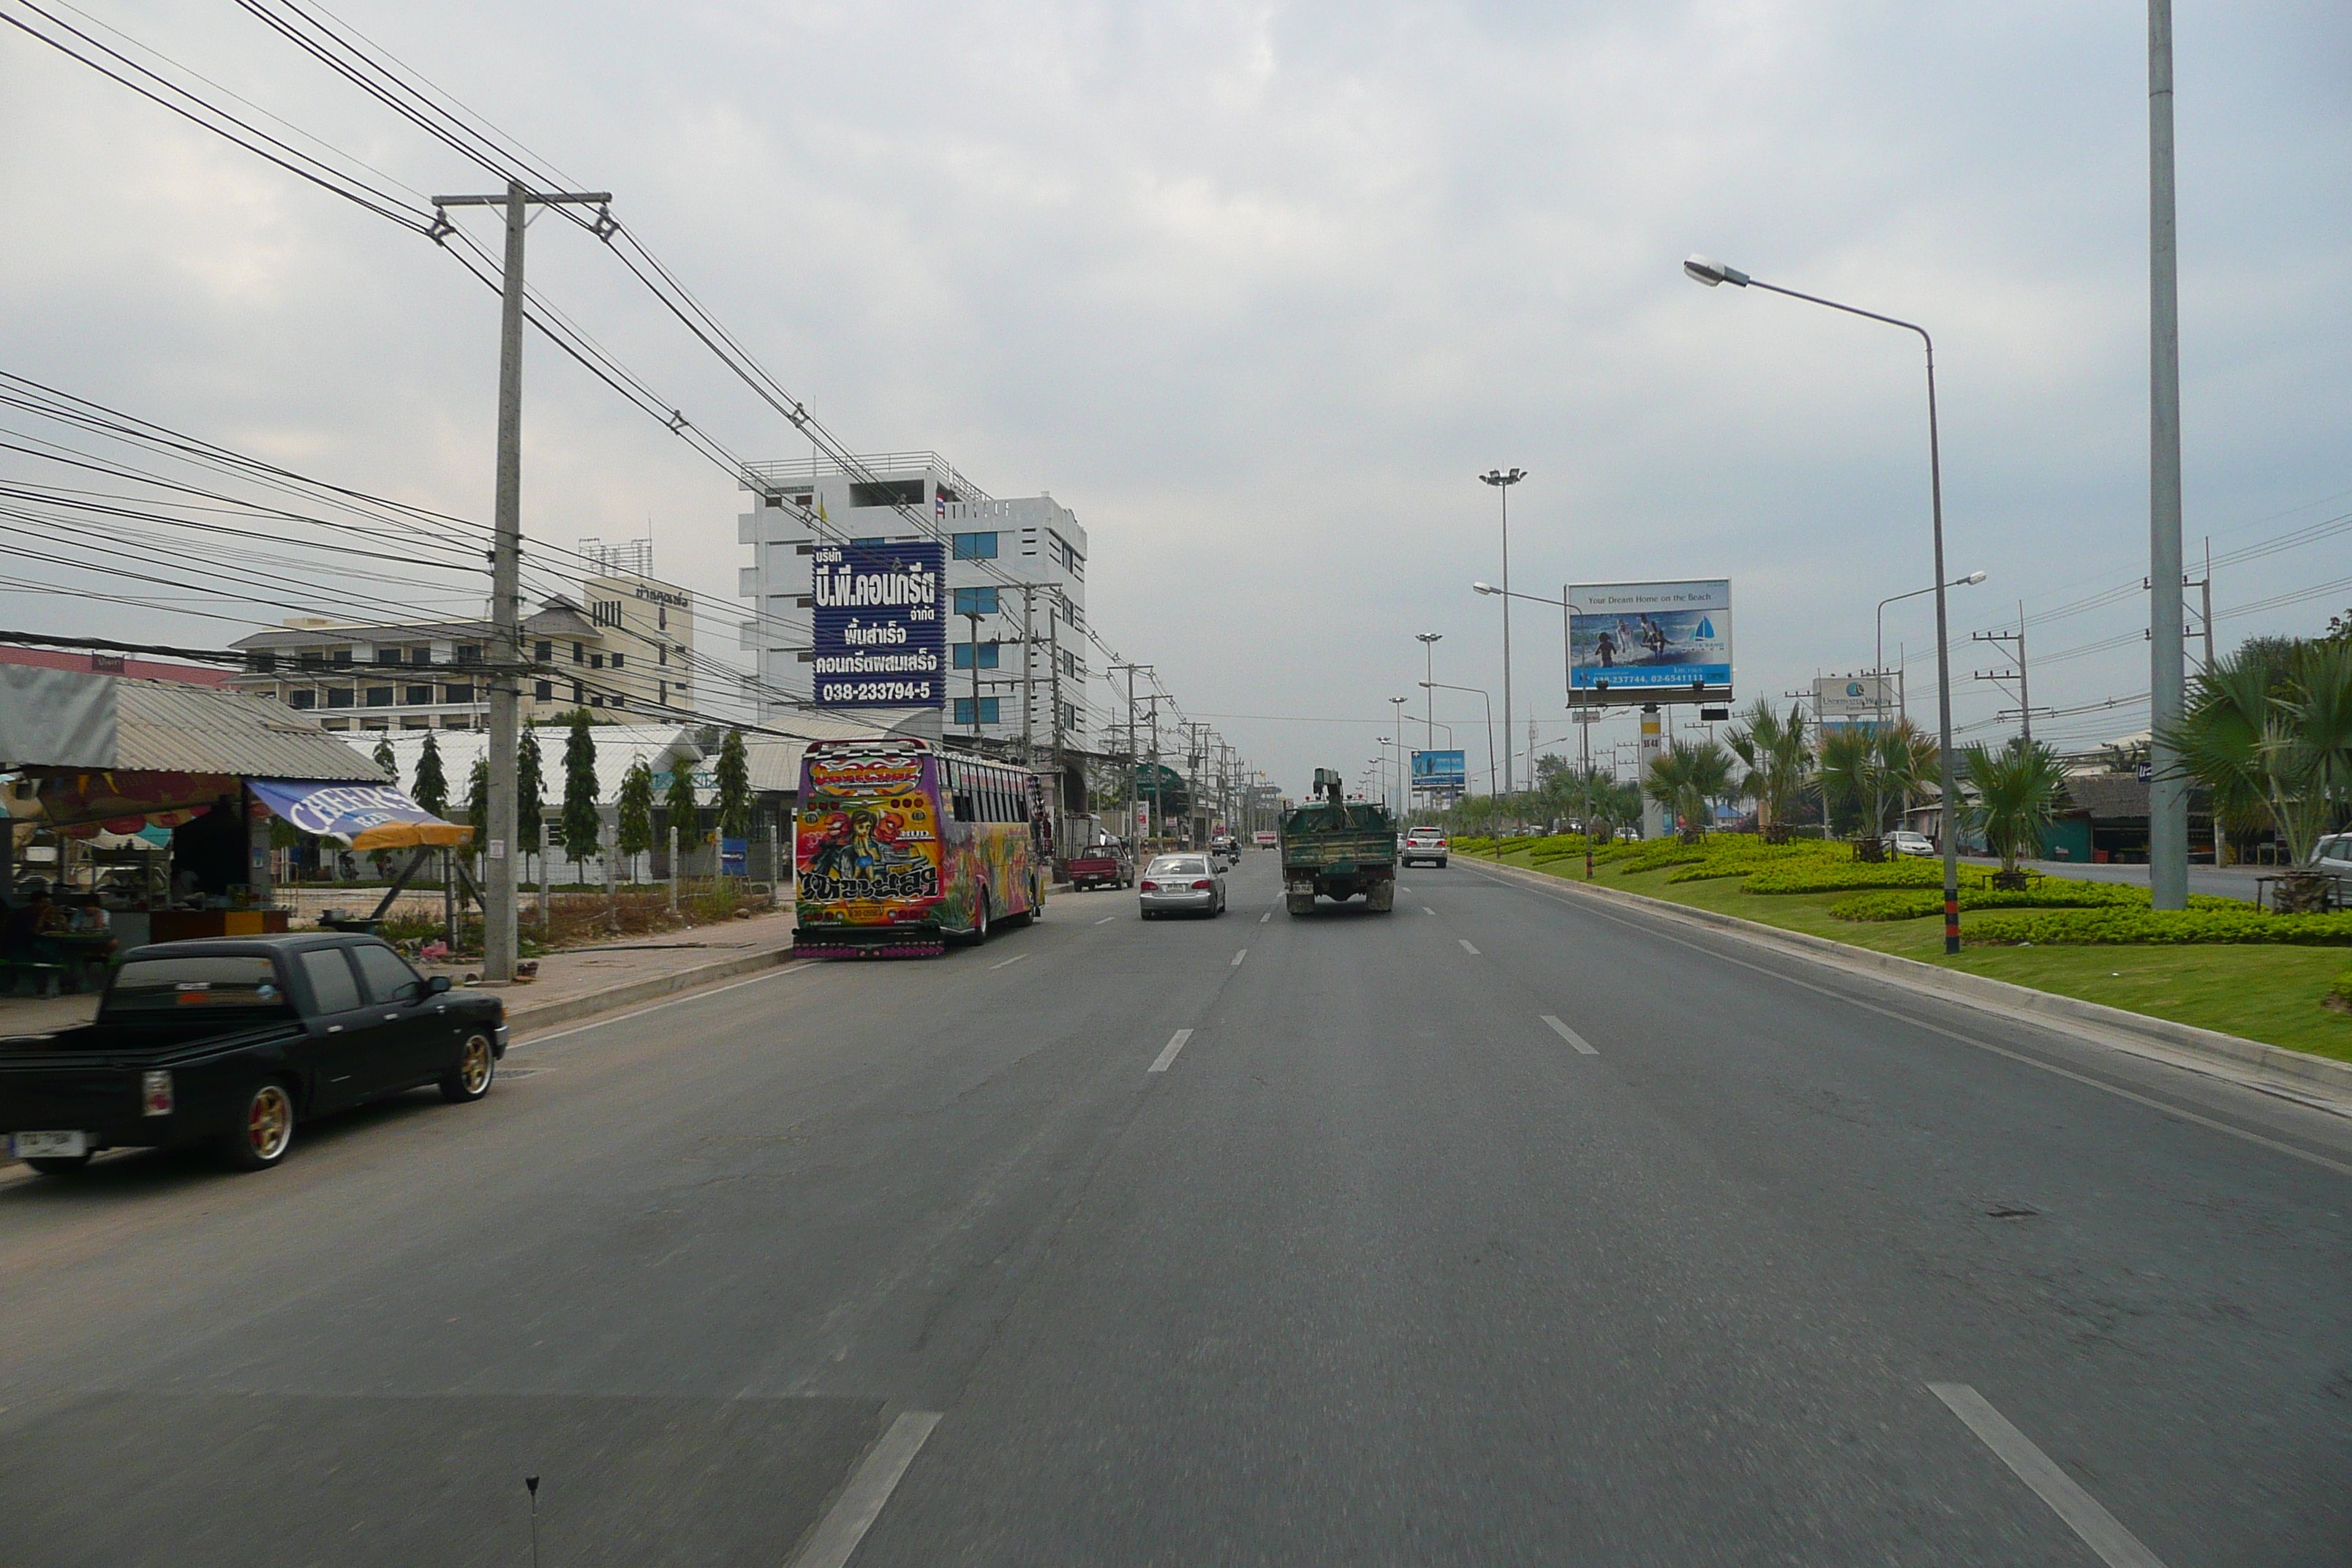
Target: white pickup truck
[[1423, 843]]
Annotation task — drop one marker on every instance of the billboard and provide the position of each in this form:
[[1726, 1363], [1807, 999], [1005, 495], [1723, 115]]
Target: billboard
[[881, 640], [1649, 642], [1438, 772], [1843, 699]]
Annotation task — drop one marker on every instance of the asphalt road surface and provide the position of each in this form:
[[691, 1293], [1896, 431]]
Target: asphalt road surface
[[1503, 1228]]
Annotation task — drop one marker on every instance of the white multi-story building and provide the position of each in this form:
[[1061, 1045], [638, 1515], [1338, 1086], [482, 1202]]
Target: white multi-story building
[[1019, 565], [624, 643]]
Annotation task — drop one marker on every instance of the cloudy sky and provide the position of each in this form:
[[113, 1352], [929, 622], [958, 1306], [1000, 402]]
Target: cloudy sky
[[1258, 289]]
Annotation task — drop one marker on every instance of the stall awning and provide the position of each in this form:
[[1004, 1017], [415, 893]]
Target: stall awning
[[357, 816]]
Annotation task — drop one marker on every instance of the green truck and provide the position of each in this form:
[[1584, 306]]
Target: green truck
[[1339, 848]]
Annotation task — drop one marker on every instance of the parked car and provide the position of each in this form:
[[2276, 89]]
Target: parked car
[[1189, 883], [1423, 844], [1107, 863], [1903, 841], [230, 1041], [2333, 856]]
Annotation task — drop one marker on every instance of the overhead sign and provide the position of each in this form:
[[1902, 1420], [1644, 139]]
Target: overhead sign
[[881, 641], [1439, 771], [1649, 642], [1843, 698]]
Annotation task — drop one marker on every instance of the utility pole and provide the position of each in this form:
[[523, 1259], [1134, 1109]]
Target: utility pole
[[501, 854], [2024, 695], [1127, 826], [2168, 804], [1028, 676]]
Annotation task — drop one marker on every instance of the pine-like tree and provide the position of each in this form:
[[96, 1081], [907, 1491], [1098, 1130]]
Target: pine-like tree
[[531, 809], [432, 788], [477, 804], [582, 831], [734, 788], [678, 801], [633, 824], [386, 761]]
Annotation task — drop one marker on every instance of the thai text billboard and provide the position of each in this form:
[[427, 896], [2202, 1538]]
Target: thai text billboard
[[1439, 771], [1648, 642], [881, 639]]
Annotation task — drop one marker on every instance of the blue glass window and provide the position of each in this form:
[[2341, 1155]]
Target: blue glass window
[[963, 651], [975, 600], [975, 547], [987, 710]]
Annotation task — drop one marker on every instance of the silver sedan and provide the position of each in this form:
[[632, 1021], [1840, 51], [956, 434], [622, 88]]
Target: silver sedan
[[1190, 884]]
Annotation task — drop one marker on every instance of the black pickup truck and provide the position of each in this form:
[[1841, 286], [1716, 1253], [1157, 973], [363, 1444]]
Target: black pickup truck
[[227, 1041]]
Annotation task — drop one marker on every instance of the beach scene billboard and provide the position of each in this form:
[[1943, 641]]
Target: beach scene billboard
[[1649, 642]]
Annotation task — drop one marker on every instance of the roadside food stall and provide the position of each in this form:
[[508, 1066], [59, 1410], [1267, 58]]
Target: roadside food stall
[[107, 755]]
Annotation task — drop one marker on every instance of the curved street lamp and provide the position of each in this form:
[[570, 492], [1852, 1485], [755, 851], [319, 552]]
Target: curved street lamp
[[1702, 270], [1443, 686], [1503, 483], [1970, 581]]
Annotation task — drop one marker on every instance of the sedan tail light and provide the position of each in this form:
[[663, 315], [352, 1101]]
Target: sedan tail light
[[156, 1092], [1149, 887], [1202, 887]]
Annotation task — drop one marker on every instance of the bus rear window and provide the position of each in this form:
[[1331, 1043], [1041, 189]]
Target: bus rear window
[[149, 985]]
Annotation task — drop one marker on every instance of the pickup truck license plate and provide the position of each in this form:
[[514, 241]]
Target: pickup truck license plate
[[47, 1146]]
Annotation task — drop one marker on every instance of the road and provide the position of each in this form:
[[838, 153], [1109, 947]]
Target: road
[[1508, 1227], [2222, 882]]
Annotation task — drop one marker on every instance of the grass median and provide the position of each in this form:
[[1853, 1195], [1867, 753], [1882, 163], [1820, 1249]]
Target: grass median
[[2272, 993]]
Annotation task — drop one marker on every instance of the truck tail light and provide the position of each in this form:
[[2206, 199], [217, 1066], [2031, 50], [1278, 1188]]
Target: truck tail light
[[156, 1092], [1202, 887]]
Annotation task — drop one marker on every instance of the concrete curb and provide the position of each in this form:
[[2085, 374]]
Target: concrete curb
[[591, 1003], [2286, 1068]]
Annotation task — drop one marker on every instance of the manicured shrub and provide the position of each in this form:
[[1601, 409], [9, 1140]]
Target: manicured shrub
[[2054, 928], [1834, 876], [2047, 894]]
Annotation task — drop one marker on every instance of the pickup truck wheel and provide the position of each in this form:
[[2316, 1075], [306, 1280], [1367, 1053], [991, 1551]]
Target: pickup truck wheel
[[477, 1064], [59, 1165], [263, 1132]]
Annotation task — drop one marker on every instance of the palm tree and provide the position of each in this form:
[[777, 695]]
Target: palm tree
[[1686, 778], [1844, 772], [2269, 734], [1900, 759], [1774, 750], [2018, 790]]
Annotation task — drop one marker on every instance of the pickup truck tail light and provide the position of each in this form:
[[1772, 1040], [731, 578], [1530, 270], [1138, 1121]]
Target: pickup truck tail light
[[1202, 887], [156, 1092]]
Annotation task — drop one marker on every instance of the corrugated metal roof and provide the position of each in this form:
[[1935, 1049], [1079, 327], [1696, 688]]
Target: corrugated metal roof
[[166, 726]]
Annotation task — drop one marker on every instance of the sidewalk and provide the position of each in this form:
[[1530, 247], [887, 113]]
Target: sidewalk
[[575, 983]]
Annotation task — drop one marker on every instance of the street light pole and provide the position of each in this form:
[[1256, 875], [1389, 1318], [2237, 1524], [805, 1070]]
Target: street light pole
[[1443, 686], [1711, 273], [1503, 483], [2167, 805], [1879, 670], [1429, 641], [1404, 795]]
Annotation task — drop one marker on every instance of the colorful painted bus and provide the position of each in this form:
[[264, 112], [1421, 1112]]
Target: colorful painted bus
[[901, 848]]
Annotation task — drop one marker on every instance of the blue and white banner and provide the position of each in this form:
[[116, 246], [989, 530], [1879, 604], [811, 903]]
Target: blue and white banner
[[1645, 641], [881, 639], [1436, 771]]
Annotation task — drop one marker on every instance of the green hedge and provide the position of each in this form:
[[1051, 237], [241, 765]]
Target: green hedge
[[2341, 989], [2078, 927], [2047, 894], [1837, 876]]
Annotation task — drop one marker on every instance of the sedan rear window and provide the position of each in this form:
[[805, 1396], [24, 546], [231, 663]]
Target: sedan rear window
[[213, 980], [1180, 866]]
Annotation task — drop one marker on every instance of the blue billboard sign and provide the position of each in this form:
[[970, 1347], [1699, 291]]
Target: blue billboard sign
[[881, 641], [1438, 772], [1644, 642]]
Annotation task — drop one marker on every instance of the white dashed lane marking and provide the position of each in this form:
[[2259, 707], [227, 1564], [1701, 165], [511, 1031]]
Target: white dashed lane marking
[[1466, 947], [1010, 962], [2100, 1531], [1167, 1053], [1239, 956], [1571, 1036]]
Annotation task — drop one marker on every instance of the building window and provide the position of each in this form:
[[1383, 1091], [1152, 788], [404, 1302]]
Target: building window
[[975, 547], [417, 696], [579, 693], [542, 652], [1069, 664], [341, 656], [387, 656], [604, 612], [543, 691], [866, 543], [458, 694], [469, 653], [887, 492], [987, 710], [311, 658], [613, 700], [301, 699], [975, 600], [618, 660], [457, 721], [580, 653], [379, 697], [596, 662], [342, 696], [776, 500], [964, 650], [421, 654], [595, 700]]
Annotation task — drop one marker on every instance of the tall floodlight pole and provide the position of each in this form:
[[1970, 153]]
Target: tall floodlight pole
[[501, 854], [2168, 804], [1404, 790], [1429, 641], [1711, 273], [1480, 691], [1503, 483]]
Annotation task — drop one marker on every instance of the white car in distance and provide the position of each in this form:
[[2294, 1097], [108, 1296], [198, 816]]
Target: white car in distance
[[1423, 844], [1903, 841], [1189, 884]]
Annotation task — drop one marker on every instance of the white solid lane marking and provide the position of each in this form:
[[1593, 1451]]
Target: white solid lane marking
[[1402, 889], [1014, 958], [1427, 911], [1168, 1054], [2100, 1531], [1571, 1036], [522, 1023], [1106, 920], [854, 1513], [1265, 917], [1239, 956], [1466, 947]]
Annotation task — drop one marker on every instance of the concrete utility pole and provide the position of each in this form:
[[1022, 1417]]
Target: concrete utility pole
[[2168, 803], [1028, 676], [2024, 693], [500, 852]]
